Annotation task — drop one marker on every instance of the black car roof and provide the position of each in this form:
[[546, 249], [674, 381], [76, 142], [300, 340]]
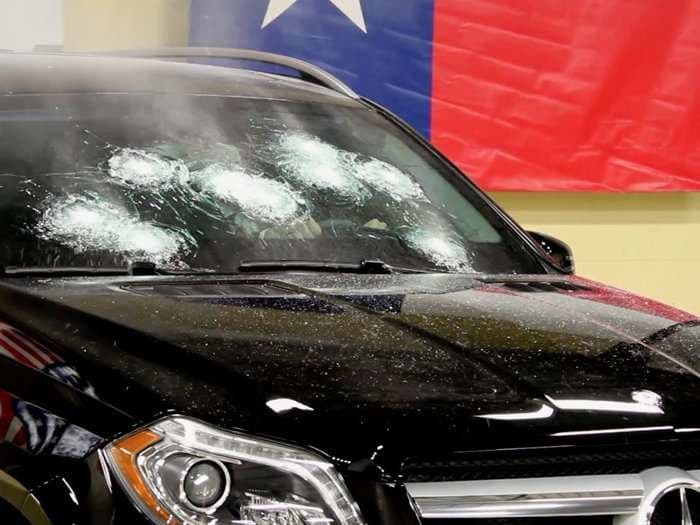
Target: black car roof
[[39, 73]]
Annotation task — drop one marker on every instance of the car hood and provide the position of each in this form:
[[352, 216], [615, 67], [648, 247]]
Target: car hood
[[380, 367]]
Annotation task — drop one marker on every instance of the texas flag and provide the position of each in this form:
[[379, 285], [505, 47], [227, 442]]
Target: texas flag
[[547, 95]]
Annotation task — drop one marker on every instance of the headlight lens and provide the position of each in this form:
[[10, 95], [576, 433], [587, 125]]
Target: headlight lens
[[205, 484], [181, 471]]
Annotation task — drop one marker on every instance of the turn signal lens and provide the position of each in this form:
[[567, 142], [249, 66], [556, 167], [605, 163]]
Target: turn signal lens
[[124, 454]]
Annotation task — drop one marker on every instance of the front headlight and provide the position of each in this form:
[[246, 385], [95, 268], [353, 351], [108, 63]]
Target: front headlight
[[181, 471]]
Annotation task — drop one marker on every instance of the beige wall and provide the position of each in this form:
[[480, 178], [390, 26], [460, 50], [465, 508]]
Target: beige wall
[[120, 24], [25, 24], [647, 243]]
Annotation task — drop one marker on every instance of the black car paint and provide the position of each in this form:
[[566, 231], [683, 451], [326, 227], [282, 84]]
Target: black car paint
[[396, 367]]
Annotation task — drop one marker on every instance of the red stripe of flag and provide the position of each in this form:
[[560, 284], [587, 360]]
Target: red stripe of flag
[[33, 348], [16, 353]]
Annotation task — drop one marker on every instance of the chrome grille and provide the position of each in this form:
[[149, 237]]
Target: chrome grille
[[519, 501], [554, 461]]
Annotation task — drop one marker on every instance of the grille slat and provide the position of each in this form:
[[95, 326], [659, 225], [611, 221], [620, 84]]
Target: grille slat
[[560, 497], [572, 520]]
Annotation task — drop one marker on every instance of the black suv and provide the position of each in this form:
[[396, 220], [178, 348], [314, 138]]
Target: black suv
[[239, 297]]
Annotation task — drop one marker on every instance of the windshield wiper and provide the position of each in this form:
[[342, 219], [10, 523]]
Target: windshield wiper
[[366, 266], [146, 268], [134, 268], [60, 271]]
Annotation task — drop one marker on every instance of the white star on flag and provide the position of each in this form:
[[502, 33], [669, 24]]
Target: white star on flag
[[350, 8]]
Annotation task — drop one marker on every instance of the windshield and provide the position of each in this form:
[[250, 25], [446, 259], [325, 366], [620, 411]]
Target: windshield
[[206, 182]]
